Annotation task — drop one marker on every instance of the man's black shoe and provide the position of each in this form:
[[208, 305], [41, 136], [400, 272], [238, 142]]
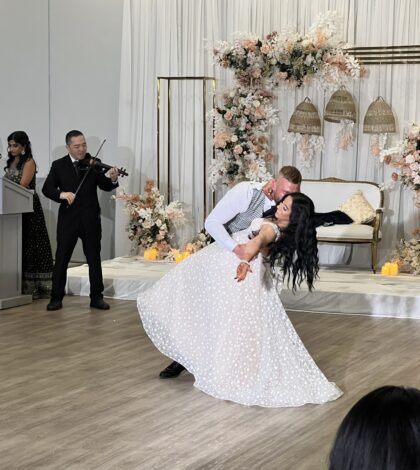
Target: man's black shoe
[[55, 305], [100, 304], [172, 371]]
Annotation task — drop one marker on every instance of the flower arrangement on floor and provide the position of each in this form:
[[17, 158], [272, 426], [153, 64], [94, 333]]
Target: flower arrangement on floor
[[405, 157], [199, 241], [408, 254], [287, 59], [150, 220]]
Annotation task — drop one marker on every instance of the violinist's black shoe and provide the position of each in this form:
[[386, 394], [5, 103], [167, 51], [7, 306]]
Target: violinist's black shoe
[[172, 371], [54, 304], [99, 303]]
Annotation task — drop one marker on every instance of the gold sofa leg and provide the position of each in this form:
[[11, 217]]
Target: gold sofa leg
[[374, 248]]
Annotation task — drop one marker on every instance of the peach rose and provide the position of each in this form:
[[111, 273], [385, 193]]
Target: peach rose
[[387, 159], [266, 49], [259, 113], [248, 43], [237, 150], [228, 115], [320, 39], [375, 149], [281, 75]]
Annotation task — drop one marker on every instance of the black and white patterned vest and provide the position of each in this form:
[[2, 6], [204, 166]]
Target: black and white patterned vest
[[243, 219]]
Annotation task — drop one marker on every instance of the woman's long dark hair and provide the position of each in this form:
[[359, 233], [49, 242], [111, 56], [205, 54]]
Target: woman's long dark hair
[[297, 251], [382, 430], [20, 137]]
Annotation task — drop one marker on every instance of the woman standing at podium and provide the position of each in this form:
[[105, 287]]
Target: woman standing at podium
[[37, 262]]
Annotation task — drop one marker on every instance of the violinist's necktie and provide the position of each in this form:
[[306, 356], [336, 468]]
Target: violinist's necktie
[[76, 167]]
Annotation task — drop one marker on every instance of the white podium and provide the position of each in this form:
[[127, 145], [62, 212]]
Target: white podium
[[14, 201]]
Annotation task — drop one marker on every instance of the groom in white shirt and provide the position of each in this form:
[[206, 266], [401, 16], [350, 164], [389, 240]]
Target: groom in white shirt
[[242, 204]]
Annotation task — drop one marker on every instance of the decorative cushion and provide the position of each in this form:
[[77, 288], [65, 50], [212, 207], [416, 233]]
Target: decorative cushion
[[358, 208]]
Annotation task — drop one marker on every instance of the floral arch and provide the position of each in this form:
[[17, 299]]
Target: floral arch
[[287, 59]]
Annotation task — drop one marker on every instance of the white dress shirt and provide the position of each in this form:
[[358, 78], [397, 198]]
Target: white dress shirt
[[235, 201]]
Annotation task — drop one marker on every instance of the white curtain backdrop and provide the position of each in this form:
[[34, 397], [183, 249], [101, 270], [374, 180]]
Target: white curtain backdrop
[[168, 38]]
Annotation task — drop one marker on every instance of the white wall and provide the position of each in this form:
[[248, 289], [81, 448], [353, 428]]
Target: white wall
[[60, 71]]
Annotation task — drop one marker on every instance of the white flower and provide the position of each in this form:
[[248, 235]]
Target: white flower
[[410, 158]]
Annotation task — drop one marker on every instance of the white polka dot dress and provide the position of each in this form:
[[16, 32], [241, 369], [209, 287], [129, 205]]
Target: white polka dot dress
[[235, 338]]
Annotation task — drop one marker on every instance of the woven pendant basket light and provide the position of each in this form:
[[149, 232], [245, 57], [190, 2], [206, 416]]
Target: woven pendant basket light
[[379, 118], [340, 107], [305, 119]]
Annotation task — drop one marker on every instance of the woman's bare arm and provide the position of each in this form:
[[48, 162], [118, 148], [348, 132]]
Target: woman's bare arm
[[28, 173], [265, 236]]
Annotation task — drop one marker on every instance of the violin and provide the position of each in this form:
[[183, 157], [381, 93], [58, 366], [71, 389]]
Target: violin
[[96, 164]]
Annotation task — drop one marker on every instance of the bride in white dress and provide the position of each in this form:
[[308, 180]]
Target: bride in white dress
[[225, 322]]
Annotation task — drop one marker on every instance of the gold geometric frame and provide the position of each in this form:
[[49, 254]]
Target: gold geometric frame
[[383, 55], [204, 81]]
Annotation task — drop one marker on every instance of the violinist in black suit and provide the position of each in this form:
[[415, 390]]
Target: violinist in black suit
[[73, 183]]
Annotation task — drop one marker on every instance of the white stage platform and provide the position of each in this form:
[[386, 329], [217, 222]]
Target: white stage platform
[[338, 290]]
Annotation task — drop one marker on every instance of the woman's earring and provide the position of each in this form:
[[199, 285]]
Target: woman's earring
[[23, 152]]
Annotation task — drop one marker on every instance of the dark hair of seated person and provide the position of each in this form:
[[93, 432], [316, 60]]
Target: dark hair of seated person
[[381, 431]]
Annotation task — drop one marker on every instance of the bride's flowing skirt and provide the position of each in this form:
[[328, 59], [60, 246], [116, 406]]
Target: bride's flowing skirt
[[235, 338]]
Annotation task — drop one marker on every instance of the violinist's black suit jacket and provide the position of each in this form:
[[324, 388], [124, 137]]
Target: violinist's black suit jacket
[[80, 220]]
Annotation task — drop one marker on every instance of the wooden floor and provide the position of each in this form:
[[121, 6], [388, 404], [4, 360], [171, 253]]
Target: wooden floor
[[79, 390]]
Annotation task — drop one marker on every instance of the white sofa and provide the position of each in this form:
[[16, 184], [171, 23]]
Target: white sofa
[[327, 195]]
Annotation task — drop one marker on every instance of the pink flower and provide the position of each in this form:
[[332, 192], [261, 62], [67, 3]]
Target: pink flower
[[220, 139], [320, 39], [387, 159], [248, 43], [253, 167], [259, 113], [375, 150], [237, 150], [281, 75], [228, 115], [266, 49]]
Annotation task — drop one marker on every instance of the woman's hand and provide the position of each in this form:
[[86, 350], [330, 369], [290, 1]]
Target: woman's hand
[[242, 270]]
